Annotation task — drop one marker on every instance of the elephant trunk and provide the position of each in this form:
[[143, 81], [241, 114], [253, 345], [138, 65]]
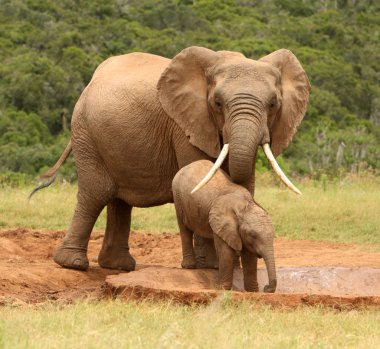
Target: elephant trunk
[[271, 269], [246, 135], [247, 131]]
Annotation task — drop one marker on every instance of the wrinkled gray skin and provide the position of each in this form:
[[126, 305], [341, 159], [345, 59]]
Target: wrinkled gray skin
[[143, 117], [227, 213]]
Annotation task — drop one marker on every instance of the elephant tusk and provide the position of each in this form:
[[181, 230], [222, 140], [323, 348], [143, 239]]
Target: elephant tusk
[[268, 153], [223, 154]]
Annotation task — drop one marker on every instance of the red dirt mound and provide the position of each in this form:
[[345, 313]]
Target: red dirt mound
[[338, 287], [28, 273]]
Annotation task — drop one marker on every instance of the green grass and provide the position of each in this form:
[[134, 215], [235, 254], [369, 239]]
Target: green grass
[[114, 324], [345, 211]]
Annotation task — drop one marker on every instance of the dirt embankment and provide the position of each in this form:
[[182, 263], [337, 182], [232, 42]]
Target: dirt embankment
[[28, 273]]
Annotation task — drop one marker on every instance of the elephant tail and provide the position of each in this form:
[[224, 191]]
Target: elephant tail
[[51, 175]]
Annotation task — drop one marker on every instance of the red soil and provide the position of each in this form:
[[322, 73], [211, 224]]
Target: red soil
[[28, 273]]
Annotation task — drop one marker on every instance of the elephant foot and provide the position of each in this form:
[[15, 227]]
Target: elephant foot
[[72, 257], [271, 288], [116, 259], [189, 263], [252, 287]]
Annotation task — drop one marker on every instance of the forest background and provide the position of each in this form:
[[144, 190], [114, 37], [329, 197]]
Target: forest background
[[49, 50]]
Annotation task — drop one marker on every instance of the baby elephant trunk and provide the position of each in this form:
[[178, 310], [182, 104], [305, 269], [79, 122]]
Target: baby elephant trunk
[[271, 269]]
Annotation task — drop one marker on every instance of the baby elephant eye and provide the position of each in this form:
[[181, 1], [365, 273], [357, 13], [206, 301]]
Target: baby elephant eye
[[218, 103]]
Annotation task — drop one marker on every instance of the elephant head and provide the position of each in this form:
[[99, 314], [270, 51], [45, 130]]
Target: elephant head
[[224, 97], [241, 223]]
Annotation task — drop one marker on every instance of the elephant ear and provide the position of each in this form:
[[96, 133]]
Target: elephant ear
[[224, 222], [295, 96], [182, 90]]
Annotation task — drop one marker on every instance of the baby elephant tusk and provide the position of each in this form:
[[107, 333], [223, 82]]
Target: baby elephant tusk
[[277, 169], [223, 154]]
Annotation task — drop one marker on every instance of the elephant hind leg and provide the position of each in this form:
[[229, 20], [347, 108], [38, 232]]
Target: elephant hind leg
[[95, 190], [72, 252], [115, 249]]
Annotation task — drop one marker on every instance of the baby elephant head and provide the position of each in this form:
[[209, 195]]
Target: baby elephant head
[[239, 221]]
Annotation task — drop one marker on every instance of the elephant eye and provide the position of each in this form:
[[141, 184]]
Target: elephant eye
[[274, 103], [218, 103]]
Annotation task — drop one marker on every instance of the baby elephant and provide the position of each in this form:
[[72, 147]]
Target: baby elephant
[[227, 213]]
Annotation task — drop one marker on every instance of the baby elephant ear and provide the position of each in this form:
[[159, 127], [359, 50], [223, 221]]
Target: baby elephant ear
[[182, 90], [224, 221]]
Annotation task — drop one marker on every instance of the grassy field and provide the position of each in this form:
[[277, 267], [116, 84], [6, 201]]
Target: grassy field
[[112, 324], [345, 211]]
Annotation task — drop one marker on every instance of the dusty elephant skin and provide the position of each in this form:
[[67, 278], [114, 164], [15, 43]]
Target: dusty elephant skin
[[143, 117], [226, 212]]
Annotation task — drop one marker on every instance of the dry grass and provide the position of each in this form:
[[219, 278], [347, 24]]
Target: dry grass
[[113, 324], [53, 207], [345, 211]]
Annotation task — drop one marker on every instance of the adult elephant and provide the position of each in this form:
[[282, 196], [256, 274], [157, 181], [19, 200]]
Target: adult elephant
[[143, 117]]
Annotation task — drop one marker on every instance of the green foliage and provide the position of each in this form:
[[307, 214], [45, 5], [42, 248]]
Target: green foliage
[[49, 50], [26, 146], [20, 128], [14, 179]]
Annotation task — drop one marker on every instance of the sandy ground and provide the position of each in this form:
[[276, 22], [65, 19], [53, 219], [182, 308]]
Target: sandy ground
[[28, 273]]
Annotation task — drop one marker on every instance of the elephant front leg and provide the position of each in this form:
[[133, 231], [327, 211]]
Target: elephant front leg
[[188, 257], [205, 253], [226, 257], [249, 263], [115, 249]]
